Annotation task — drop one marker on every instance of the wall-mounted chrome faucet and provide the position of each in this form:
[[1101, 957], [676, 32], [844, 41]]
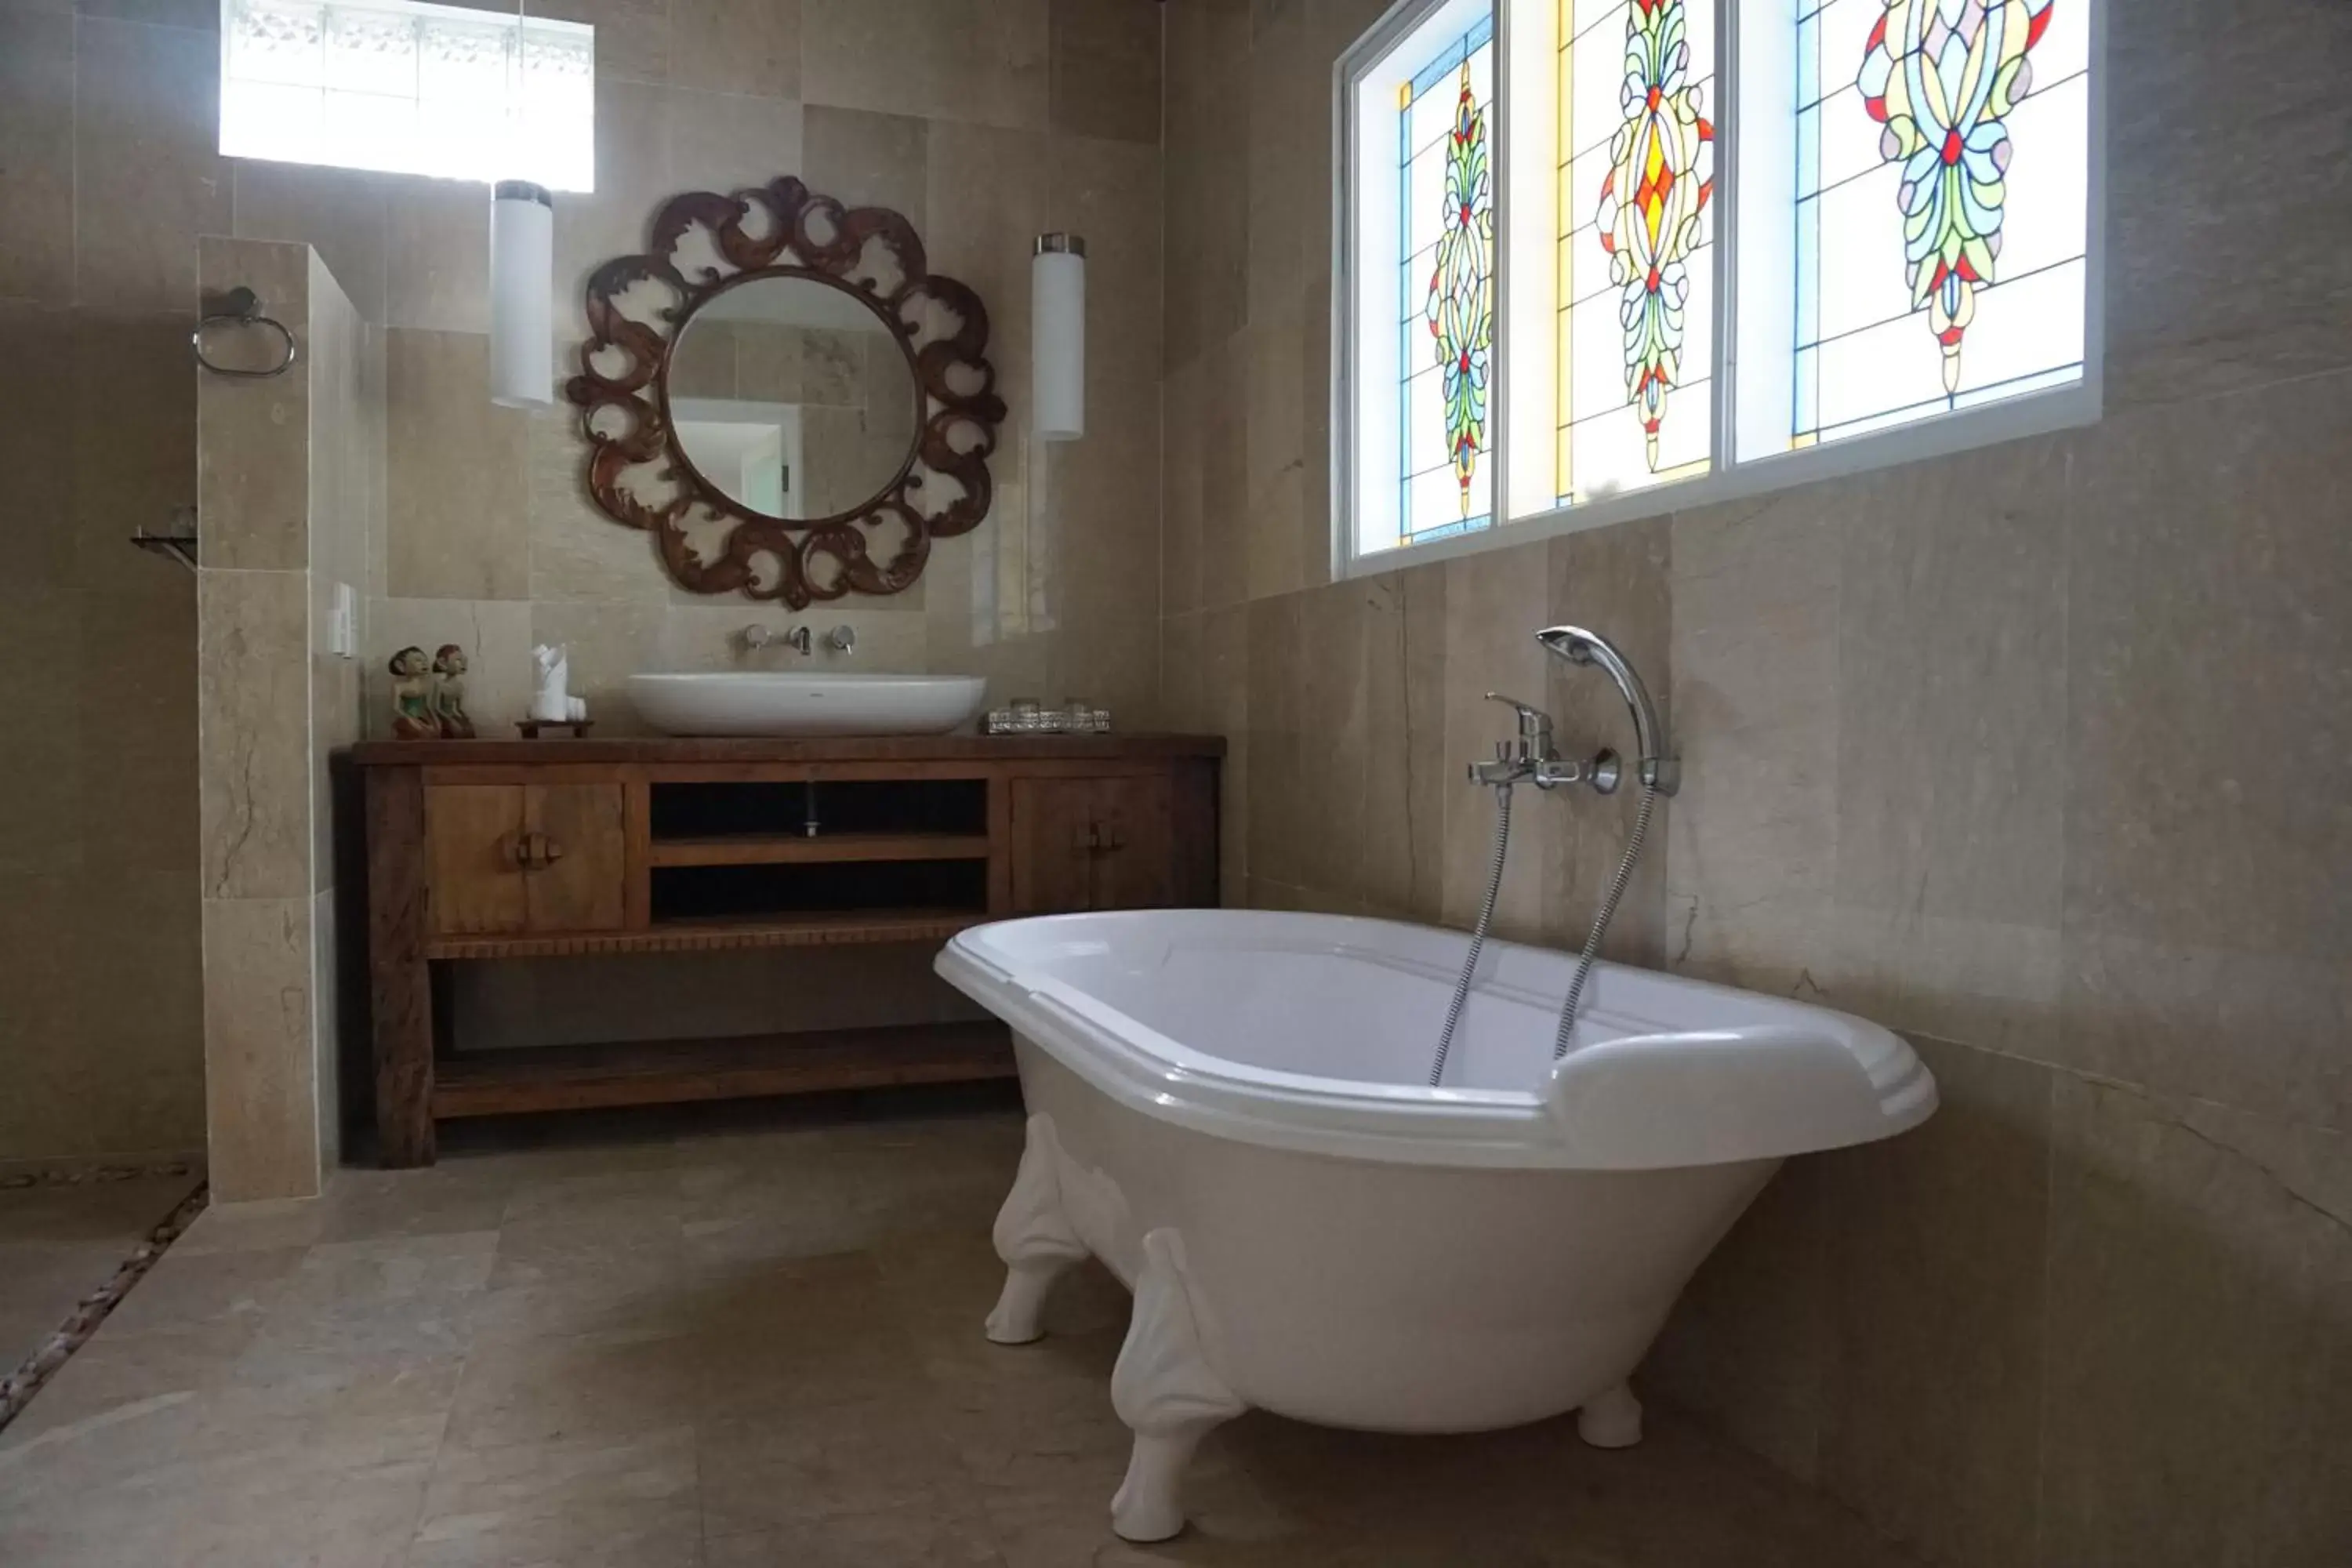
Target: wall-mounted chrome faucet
[[1533, 759], [1658, 769], [842, 639], [756, 637]]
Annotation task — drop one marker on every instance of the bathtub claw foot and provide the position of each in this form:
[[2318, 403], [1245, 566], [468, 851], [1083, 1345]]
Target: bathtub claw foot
[[1165, 1391], [1034, 1239], [1611, 1419], [1147, 1506]]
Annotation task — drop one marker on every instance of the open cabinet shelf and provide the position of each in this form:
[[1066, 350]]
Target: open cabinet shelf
[[796, 849], [840, 928], [670, 1072]]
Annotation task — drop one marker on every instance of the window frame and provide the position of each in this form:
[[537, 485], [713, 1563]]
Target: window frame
[[234, 138], [1730, 477]]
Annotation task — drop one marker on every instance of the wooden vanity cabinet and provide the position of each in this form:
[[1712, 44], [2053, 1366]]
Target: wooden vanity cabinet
[[1093, 844], [527, 858], [504, 849]]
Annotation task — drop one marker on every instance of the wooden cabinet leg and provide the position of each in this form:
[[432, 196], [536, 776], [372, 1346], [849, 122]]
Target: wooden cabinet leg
[[400, 983]]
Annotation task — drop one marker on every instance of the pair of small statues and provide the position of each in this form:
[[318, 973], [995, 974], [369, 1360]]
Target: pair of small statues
[[428, 696]]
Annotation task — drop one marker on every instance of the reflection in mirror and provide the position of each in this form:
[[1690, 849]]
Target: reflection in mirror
[[794, 398]]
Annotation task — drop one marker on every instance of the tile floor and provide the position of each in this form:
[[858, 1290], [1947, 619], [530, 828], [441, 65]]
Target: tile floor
[[751, 1343], [57, 1244]]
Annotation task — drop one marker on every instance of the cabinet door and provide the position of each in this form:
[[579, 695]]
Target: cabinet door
[[473, 836], [1134, 861], [1053, 824], [578, 852]]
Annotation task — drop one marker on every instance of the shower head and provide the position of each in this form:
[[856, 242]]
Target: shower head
[[1578, 645]]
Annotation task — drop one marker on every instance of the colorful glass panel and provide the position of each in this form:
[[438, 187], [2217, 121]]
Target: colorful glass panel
[[1940, 214], [1635, 295], [1448, 227], [1661, 178]]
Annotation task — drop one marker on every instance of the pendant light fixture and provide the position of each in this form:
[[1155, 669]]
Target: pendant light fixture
[[1057, 327], [522, 289]]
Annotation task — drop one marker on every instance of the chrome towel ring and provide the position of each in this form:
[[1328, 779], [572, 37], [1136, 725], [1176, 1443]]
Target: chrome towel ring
[[243, 306]]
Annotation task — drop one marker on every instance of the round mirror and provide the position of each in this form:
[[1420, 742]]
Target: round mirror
[[791, 395]]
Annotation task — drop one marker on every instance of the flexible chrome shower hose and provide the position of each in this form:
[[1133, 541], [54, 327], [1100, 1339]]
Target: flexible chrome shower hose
[[1600, 920], [1477, 936]]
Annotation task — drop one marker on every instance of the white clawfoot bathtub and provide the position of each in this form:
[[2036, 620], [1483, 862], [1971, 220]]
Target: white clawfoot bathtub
[[1228, 1108]]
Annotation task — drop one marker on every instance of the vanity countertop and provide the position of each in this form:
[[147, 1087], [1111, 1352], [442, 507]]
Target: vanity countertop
[[648, 748]]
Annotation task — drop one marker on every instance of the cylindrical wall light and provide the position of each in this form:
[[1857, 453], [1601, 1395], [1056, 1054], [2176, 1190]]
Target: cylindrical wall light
[[1057, 336], [522, 289]]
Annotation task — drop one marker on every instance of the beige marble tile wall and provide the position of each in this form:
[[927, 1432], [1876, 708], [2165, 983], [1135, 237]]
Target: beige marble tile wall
[[2037, 754], [102, 190], [285, 466], [983, 120]]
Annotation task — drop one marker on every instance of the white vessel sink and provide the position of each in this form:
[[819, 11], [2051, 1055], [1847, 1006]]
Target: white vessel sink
[[766, 703]]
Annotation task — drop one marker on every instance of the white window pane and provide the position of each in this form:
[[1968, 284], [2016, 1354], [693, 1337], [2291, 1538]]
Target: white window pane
[[451, 134], [277, 44], [465, 63], [1588, 16], [1841, 141], [1686, 437], [1862, 279], [414, 88], [2065, 45], [1434, 502], [366, 130], [1424, 198], [1588, 265], [1840, 31], [1596, 366], [1430, 122], [2028, 324], [1584, 177], [1608, 454], [1596, 73], [371, 51], [1892, 365], [1910, 413], [261, 118], [559, 78], [1424, 417], [2064, 375]]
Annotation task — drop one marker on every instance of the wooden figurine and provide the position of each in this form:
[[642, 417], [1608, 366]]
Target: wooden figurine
[[449, 693], [412, 696]]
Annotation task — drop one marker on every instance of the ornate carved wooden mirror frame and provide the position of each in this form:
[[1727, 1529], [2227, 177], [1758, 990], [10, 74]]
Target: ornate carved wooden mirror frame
[[939, 324]]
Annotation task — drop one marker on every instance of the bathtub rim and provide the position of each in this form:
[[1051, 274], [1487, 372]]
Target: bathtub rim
[[1150, 1072]]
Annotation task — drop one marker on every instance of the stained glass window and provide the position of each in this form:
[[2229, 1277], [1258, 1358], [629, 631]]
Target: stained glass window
[[1941, 206], [1629, 289], [1568, 278], [1445, 153]]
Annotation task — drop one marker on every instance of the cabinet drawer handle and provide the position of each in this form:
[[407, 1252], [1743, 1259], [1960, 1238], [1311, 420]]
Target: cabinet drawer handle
[[533, 851]]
